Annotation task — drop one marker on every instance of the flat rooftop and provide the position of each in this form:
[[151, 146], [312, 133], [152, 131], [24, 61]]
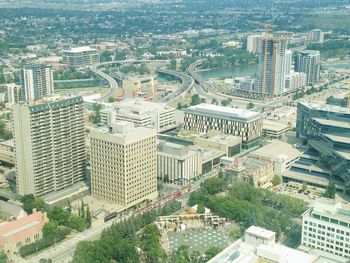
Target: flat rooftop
[[260, 232], [80, 49], [338, 138], [274, 126], [222, 112], [326, 107], [276, 149]]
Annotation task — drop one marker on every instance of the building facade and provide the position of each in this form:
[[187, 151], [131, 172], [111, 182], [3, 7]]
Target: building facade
[[327, 130], [123, 163], [177, 163], [272, 66], [254, 43], [316, 36], [295, 81], [49, 145], [81, 56], [37, 82], [21, 232], [326, 227], [206, 117], [308, 62], [12, 93]]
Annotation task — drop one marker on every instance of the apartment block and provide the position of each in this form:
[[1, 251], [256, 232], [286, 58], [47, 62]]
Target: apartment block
[[49, 139], [309, 63], [37, 82], [206, 117], [123, 163]]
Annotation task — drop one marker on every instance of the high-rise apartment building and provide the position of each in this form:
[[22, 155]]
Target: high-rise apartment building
[[123, 163], [309, 63], [254, 43], [206, 117], [49, 145], [12, 93], [37, 82], [326, 227], [81, 56], [272, 66]]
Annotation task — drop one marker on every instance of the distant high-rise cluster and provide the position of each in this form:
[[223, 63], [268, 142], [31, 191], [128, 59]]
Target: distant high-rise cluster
[[37, 82], [49, 145], [276, 75]]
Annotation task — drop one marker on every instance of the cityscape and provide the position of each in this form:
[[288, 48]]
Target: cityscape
[[178, 131]]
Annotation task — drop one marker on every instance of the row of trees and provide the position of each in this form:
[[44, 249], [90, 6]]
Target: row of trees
[[119, 242], [248, 205], [71, 73]]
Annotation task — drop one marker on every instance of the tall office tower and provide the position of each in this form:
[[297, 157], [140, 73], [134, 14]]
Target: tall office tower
[[81, 56], [123, 163], [309, 63], [254, 43], [37, 82], [49, 145], [272, 66], [316, 36]]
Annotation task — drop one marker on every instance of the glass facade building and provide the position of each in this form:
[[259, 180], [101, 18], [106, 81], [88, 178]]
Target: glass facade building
[[327, 130]]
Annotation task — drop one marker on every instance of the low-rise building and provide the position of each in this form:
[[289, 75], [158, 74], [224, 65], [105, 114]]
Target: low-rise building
[[295, 81], [7, 152], [274, 129], [21, 232], [141, 113], [281, 154], [259, 245]]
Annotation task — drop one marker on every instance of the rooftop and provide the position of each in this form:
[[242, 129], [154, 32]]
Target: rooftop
[[222, 112], [326, 107], [80, 49], [260, 232], [276, 149], [274, 125], [338, 138], [332, 208]]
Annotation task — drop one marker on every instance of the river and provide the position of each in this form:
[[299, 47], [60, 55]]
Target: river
[[237, 71]]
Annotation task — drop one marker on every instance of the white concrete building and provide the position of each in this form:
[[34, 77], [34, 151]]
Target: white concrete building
[[141, 113], [123, 163], [177, 163], [12, 93], [326, 227], [295, 81]]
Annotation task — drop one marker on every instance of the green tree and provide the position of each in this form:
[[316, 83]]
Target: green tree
[[276, 180], [88, 217], [203, 100], [304, 187], [43, 260], [111, 99], [200, 209], [59, 215], [97, 109], [30, 202], [214, 101], [224, 102], [3, 257], [195, 99], [212, 252], [106, 56], [76, 222], [172, 65], [50, 229], [330, 191]]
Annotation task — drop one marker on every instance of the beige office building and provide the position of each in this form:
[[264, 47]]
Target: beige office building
[[123, 163], [49, 145]]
